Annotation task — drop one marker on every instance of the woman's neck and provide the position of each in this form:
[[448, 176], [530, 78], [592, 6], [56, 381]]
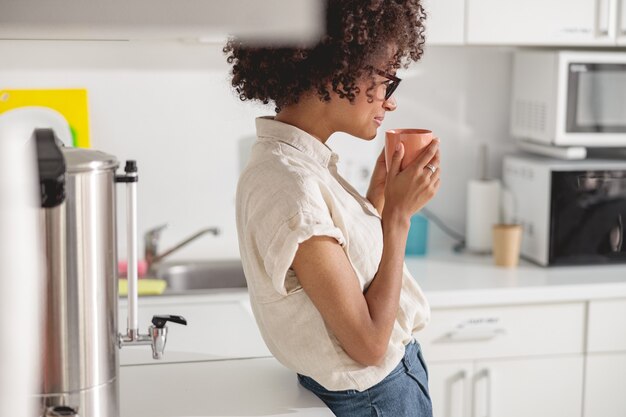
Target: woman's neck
[[309, 114]]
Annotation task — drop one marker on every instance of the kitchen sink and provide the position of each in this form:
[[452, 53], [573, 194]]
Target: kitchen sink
[[202, 275]]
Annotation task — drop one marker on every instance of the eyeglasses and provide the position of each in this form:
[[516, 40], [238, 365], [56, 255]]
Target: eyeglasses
[[391, 85]]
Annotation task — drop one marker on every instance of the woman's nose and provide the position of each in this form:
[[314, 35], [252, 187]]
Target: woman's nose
[[390, 104]]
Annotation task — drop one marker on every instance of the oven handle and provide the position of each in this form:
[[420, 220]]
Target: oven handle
[[616, 235], [621, 233]]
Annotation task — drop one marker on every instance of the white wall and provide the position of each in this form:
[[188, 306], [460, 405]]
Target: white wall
[[169, 105]]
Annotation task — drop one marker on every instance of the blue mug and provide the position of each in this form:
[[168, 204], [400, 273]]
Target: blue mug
[[417, 240]]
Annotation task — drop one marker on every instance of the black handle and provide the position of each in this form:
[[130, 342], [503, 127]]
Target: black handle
[[131, 172], [160, 321], [51, 164]]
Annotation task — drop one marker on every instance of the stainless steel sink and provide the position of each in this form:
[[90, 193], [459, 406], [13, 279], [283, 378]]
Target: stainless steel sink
[[202, 275]]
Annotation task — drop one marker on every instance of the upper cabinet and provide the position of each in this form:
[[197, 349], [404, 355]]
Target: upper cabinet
[[550, 23], [445, 22], [204, 20]]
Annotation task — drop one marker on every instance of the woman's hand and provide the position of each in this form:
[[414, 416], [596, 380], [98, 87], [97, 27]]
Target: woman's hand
[[407, 191], [376, 190]]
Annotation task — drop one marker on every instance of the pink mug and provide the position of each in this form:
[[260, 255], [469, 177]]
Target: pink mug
[[414, 140]]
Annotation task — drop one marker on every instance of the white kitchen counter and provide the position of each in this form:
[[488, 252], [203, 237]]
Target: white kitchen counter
[[245, 387], [457, 280], [211, 369]]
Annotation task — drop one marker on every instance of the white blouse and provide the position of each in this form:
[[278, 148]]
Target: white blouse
[[289, 192]]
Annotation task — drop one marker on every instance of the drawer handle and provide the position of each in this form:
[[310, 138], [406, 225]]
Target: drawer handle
[[603, 18], [459, 376], [620, 17], [471, 335], [482, 375]]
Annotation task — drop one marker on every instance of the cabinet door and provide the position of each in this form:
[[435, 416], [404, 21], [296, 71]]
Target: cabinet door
[[449, 384], [604, 333], [445, 24], [540, 22], [541, 387], [605, 378]]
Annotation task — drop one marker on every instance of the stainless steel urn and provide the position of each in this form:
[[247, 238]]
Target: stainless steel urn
[[80, 346], [80, 365]]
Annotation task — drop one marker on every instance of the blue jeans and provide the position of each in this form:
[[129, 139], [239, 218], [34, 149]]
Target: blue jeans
[[403, 393]]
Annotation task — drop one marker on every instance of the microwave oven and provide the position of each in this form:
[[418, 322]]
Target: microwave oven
[[571, 212], [569, 98]]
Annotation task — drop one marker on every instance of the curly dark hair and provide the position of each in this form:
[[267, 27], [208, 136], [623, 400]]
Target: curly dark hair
[[358, 36]]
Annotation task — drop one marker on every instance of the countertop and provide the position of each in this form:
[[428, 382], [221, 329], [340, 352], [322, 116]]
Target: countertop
[[244, 387], [216, 384], [462, 280]]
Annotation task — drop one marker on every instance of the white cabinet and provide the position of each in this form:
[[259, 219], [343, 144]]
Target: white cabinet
[[502, 332], [449, 385], [538, 387], [288, 21], [445, 22], [540, 22], [605, 372], [605, 378], [506, 361], [607, 330]]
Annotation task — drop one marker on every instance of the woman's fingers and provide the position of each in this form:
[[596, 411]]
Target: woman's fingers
[[427, 155], [436, 160], [434, 175], [435, 185], [381, 157], [397, 160]]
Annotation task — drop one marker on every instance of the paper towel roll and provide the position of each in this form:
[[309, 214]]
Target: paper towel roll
[[483, 211]]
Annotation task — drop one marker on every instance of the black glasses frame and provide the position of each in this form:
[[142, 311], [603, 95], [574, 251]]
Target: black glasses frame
[[391, 87]]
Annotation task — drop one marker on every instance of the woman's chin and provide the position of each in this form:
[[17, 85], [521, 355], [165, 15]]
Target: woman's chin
[[372, 135], [365, 134]]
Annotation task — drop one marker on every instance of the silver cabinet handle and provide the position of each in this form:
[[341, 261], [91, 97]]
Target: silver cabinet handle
[[469, 334], [621, 21], [614, 18], [603, 18], [486, 375], [450, 382]]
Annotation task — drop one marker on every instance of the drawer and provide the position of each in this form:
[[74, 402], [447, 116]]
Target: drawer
[[507, 331], [607, 328]]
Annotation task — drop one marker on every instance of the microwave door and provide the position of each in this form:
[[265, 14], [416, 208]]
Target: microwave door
[[596, 98], [588, 216]]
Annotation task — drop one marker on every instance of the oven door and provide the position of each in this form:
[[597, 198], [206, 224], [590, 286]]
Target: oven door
[[595, 107], [587, 217]]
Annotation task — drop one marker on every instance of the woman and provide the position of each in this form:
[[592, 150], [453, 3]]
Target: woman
[[325, 265]]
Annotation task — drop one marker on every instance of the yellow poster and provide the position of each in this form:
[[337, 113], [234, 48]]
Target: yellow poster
[[71, 103]]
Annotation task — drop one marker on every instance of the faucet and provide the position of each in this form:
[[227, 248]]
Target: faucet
[[151, 243], [157, 333], [156, 337]]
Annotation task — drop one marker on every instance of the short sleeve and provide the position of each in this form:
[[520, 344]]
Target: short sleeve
[[284, 244]]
